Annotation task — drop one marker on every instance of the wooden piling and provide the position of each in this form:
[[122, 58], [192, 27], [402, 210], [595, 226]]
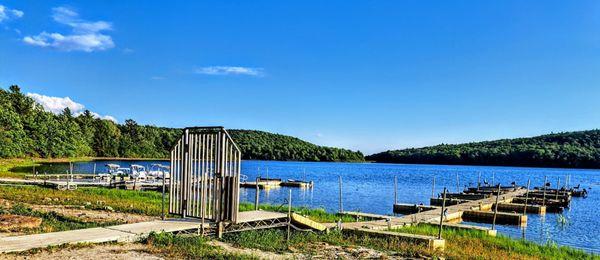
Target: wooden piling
[[395, 190], [289, 214], [341, 209], [433, 188], [526, 197], [256, 196], [496, 208], [442, 215], [544, 198]]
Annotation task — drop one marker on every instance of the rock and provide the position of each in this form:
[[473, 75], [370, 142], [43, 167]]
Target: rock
[[109, 208]]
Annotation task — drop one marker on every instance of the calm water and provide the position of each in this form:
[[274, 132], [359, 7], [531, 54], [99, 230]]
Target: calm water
[[369, 187]]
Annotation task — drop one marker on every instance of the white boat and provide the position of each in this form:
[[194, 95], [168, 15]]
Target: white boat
[[138, 171], [159, 171], [113, 170]]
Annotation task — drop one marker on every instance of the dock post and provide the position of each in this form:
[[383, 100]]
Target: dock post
[[395, 190], [433, 188], [162, 206], [557, 187], [493, 177], [289, 214], [341, 210], [94, 168], [544, 196], [526, 197], [457, 183], [496, 209], [442, 214], [257, 195], [478, 180]]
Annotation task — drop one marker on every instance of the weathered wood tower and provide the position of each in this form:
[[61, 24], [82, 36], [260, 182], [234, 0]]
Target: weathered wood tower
[[205, 176]]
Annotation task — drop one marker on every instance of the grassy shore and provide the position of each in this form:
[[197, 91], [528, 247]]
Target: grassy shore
[[459, 243], [475, 244], [18, 168]]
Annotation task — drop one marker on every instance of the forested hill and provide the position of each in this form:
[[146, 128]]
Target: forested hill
[[27, 130], [570, 149]]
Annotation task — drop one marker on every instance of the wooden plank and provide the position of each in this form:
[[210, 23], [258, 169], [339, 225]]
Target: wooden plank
[[259, 215]]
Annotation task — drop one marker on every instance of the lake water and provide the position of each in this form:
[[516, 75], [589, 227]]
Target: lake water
[[369, 187]]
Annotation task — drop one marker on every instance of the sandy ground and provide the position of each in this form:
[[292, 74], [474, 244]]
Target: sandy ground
[[139, 251], [104, 252]]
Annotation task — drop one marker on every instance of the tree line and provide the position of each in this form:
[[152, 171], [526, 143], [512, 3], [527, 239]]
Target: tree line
[[27, 130], [563, 150]]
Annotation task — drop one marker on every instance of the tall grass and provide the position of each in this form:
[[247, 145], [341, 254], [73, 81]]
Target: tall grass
[[476, 244], [188, 247], [274, 240]]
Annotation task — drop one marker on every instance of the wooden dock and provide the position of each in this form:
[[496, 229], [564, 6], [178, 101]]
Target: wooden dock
[[453, 212], [120, 233]]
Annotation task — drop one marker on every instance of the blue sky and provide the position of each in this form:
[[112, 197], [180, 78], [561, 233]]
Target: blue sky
[[368, 75]]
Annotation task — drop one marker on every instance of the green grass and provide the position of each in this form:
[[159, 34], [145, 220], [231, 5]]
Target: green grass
[[51, 221], [188, 247], [275, 240], [476, 244], [129, 201]]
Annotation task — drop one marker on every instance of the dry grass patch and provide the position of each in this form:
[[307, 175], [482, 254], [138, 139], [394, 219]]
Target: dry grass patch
[[10, 222]]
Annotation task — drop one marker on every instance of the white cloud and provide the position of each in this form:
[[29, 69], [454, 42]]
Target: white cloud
[[85, 36], [83, 42], [157, 78], [7, 13], [56, 105], [230, 70]]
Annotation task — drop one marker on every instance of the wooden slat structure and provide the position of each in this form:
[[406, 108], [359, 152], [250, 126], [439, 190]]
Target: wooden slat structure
[[205, 175]]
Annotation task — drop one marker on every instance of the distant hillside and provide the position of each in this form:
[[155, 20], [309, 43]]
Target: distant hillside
[[267, 146], [568, 150], [27, 130]]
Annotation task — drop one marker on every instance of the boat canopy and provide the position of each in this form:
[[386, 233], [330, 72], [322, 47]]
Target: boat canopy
[[113, 166]]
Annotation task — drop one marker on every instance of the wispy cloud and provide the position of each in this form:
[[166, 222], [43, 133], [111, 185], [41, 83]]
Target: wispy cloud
[[85, 35], [57, 104], [7, 13], [157, 78], [230, 70]]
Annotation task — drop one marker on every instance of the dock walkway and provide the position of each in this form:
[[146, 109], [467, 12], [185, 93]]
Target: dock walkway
[[119, 233], [433, 216]]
